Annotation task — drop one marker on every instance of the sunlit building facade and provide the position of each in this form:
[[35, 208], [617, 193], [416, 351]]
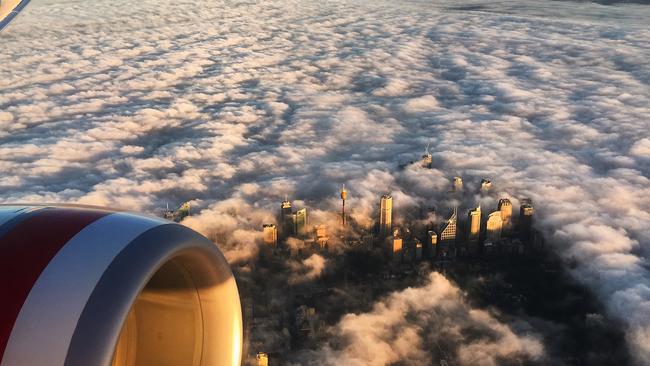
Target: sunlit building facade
[[448, 232], [486, 184], [505, 207], [474, 224], [270, 235], [427, 160], [458, 184], [396, 244], [322, 236], [432, 243], [385, 215], [493, 227], [262, 359]]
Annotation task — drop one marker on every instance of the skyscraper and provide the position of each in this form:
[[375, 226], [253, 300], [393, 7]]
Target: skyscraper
[[448, 232], [446, 247], [396, 246], [486, 184], [322, 236], [458, 184], [474, 224], [286, 218], [344, 196], [385, 215], [300, 221], [418, 250], [262, 359], [494, 226], [526, 218], [505, 207], [285, 208], [270, 234], [432, 243]]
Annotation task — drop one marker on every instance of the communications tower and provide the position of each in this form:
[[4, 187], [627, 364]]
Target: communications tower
[[344, 196]]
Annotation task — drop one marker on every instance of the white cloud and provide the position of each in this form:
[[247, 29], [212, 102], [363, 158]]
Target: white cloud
[[412, 325], [239, 104]]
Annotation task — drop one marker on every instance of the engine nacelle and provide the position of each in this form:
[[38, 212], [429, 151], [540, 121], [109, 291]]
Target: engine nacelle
[[92, 287]]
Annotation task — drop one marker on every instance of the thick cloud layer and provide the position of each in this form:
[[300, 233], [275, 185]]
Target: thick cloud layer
[[238, 104], [397, 329]]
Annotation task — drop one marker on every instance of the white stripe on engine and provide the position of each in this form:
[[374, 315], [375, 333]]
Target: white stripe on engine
[[46, 322], [9, 212]]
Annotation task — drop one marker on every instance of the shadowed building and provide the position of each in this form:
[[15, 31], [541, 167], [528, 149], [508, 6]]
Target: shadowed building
[[526, 218], [286, 218], [270, 234], [418, 250], [432, 243], [385, 215], [300, 221]]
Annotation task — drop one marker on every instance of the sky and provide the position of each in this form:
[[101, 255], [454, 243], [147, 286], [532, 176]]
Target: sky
[[236, 104]]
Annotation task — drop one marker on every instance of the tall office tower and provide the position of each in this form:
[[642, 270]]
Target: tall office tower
[[322, 237], [300, 221], [262, 359], [418, 250], [285, 208], [344, 196], [486, 184], [385, 215], [448, 232], [526, 218], [505, 207], [270, 234], [396, 244], [494, 226], [432, 243], [286, 217], [474, 224], [446, 247], [458, 184]]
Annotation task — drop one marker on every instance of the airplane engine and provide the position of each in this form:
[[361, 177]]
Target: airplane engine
[[86, 286]]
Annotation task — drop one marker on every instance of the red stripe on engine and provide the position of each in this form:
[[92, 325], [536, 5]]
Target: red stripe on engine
[[26, 250]]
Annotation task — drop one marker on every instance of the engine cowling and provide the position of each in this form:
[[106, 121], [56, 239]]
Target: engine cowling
[[88, 286]]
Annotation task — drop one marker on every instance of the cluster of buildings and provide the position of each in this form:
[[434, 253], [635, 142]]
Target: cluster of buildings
[[178, 214], [480, 231], [296, 224], [467, 232], [491, 233]]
